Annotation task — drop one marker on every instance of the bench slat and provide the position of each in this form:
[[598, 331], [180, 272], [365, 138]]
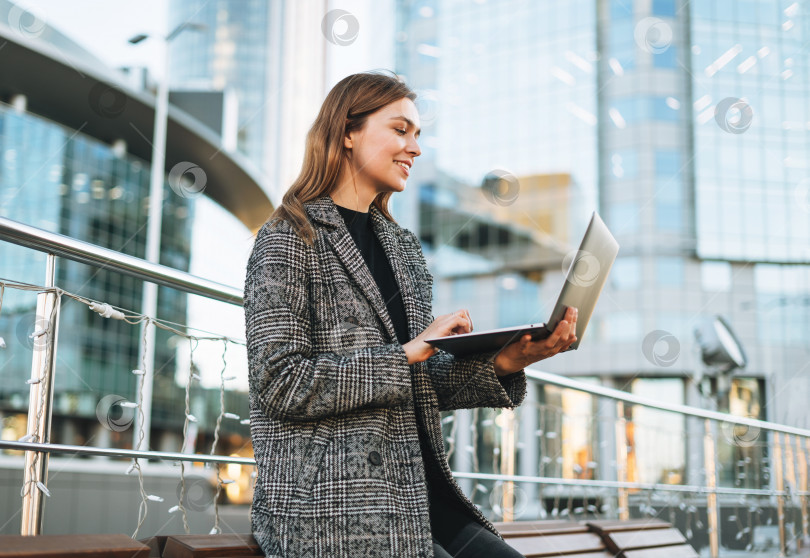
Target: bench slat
[[72, 546], [554, 545], [524, 528], [156, 545], [210, 546], [646, 538], [615, 525], [680, 551]]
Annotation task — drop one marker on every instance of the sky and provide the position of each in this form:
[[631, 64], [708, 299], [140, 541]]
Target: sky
[[104, 26], [220, 244]]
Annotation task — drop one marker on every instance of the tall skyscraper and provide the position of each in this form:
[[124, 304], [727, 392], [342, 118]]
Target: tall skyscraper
[[279, 58], [75, 161], [684, 124]]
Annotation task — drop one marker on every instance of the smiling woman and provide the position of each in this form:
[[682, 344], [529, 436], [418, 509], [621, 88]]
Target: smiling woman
[[364, 131], [345, 393], [382, 153]]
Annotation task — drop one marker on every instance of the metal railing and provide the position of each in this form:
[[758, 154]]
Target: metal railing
[[784, 438], [42, 371], [782, 444]]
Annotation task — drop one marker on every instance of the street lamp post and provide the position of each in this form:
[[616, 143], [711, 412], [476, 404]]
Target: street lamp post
[[153, 234]]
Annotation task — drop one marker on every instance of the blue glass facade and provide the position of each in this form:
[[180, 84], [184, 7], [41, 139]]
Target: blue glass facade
[[646, 109], [233, 52], [62, 181], [752, 195]]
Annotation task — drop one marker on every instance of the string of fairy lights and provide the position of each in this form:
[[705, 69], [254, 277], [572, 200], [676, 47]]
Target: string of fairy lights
[[41, 335], [685, 509], [750, 510]]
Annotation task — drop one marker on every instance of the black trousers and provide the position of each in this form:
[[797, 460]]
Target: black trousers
[[456, 534]]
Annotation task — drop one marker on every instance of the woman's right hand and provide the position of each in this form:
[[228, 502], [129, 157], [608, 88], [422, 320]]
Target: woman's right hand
[[417, 350]]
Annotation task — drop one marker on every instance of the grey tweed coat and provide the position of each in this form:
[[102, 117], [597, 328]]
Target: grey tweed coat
[[334, 404]]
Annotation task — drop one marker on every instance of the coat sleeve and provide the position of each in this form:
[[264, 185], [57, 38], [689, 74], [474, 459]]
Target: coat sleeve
[[287, 379], [470, 382], [465, 383]]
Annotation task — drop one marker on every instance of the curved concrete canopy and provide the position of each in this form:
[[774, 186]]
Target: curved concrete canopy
[[70, 87]]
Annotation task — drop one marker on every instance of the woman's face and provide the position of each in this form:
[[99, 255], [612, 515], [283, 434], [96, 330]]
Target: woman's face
[[383, 151]]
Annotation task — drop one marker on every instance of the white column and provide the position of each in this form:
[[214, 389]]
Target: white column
[[529, 453], [153, 235], [462, 457]]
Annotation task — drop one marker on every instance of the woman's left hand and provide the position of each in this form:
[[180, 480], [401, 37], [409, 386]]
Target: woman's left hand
[[520, 354]]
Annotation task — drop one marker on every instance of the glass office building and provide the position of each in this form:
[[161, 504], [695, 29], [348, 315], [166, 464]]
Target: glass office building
[[684, 124], [62, 181], [89, 182], [232, 52], [272, 57]]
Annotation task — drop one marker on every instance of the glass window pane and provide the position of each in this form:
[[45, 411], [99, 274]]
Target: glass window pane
[[655, 439], [669, 272], [663, 8], [715, 276]]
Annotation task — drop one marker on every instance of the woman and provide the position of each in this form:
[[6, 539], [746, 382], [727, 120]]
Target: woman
[[345, 394]]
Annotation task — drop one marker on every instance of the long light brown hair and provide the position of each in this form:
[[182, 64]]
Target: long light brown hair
[[345, 109]]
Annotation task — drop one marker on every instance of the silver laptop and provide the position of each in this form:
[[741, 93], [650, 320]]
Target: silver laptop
[[586, 276]]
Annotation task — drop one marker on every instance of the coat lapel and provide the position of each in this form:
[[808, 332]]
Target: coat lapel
[[323, 210]]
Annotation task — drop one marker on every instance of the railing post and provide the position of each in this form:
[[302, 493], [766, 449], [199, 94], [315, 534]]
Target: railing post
[[710, 465], [780, 487], [508, 463], [621, 460], [801, 452], [790, 478], [606, 448], [40, 402]]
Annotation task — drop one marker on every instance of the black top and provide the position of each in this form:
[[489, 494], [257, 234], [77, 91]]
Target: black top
[[361, 230], [359, 225]]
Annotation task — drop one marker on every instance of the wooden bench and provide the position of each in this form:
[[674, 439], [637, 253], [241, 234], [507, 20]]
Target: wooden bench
[[71, 546], [643, 538], [640, 538], [204, 546], [552, 538]]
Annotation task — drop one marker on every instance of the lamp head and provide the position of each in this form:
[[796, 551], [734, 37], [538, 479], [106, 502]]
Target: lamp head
[[719, 346]]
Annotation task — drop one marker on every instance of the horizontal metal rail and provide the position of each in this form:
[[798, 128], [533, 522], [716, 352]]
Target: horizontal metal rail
[[618, 395], [90, 254], [84, 252], [586, 483], [618, 484], [133, 454]]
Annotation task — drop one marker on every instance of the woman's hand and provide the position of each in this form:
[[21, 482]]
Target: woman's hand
[[449, 324], [520, 354]]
